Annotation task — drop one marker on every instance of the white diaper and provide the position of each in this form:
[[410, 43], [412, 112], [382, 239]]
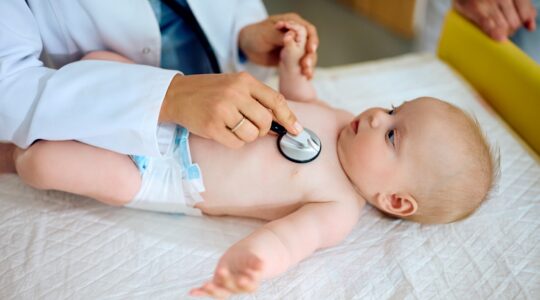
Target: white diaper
[[170, 183]]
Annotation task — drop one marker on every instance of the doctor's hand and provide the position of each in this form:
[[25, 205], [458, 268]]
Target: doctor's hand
[[231, 109], [263, 41], [498, 18]]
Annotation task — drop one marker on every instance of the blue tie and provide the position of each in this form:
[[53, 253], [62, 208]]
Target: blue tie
[[194, 53]]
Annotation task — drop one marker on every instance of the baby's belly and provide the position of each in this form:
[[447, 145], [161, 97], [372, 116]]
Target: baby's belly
[[255, 181]]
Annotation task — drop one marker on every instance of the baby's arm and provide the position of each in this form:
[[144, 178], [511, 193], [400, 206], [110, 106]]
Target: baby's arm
[[276, 246], [292, 83]]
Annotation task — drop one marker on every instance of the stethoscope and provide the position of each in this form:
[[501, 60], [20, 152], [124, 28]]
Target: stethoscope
[[302, 148]]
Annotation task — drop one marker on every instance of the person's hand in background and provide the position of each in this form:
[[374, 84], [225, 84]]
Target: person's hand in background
[[262, 42], [499, 19]]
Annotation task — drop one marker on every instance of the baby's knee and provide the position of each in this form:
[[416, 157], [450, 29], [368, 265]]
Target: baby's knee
[[33, 165]]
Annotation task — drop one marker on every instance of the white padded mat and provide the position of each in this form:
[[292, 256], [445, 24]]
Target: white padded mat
[[59, 246]]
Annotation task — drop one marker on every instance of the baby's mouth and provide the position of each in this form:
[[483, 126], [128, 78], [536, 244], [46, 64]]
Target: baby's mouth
[[354, 126]]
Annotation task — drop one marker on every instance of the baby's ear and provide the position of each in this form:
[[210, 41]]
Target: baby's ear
[[400, 205]]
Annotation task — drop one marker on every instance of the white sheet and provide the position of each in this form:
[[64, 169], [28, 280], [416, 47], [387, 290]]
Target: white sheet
[[58, 246]]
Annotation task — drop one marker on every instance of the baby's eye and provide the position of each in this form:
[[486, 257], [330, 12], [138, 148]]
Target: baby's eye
[[390, 136]]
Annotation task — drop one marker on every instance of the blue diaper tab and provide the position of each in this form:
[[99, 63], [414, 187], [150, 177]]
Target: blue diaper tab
[[180, 150], [140, 161], [192, 171]]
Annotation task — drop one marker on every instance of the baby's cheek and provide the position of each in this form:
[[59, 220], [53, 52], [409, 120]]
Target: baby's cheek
[[374, 166]]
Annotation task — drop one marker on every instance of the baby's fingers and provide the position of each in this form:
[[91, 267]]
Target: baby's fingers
[[252, 274], [210, 290], [198, 292], [288, 39], [300, 31], [254, 263], [247, 283], [223, 278]]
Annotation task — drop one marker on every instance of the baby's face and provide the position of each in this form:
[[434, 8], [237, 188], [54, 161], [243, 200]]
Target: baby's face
[[391, 151]]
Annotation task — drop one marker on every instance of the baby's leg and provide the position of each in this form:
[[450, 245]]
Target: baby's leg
[[81, 169]]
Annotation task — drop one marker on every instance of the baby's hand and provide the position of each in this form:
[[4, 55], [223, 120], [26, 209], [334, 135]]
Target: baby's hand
[[294, 43], [238, 271]]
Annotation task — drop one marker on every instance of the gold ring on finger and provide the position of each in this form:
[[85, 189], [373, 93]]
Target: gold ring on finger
[[235, 127]]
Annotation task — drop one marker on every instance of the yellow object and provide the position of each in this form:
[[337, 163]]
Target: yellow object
[[396, 15], [504, 76]]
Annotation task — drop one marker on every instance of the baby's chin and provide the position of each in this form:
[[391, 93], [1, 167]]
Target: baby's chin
[[341, 152], [339, 142], [341, 139]]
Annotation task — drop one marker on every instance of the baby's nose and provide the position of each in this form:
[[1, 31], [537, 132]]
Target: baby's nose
[[378, 117]]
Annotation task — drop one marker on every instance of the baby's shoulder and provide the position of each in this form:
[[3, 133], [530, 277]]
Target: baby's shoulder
[[350, 208], [336, 218], [345, 199]]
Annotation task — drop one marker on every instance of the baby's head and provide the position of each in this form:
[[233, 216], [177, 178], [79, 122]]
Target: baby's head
[[425, 161]]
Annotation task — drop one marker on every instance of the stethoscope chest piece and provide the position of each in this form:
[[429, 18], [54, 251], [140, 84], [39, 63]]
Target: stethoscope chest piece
[[303, 148]]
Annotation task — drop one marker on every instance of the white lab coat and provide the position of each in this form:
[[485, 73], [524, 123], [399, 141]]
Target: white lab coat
[[46, 93]]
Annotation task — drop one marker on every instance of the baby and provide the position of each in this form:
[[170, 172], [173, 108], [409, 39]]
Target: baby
[[424, 161]]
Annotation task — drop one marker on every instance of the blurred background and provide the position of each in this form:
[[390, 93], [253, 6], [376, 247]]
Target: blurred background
[[360, 30]]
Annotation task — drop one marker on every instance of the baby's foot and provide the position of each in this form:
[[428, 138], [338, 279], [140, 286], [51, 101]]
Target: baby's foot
[[7, 164], [294, 43]]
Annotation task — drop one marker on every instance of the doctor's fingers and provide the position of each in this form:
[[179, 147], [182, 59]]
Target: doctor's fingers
[[277, 104], [309, 61], [259, 116], [244, 129], [227, 138]]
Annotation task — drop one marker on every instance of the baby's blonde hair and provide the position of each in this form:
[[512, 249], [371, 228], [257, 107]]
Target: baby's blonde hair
[[458, 192]]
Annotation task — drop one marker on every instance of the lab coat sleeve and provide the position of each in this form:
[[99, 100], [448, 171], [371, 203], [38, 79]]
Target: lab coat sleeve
[[106, 104]]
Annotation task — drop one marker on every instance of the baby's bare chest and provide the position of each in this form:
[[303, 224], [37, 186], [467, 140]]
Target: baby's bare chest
[[257, 181]]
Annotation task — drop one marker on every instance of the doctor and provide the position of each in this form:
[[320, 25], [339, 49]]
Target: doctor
[[47, 93]]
